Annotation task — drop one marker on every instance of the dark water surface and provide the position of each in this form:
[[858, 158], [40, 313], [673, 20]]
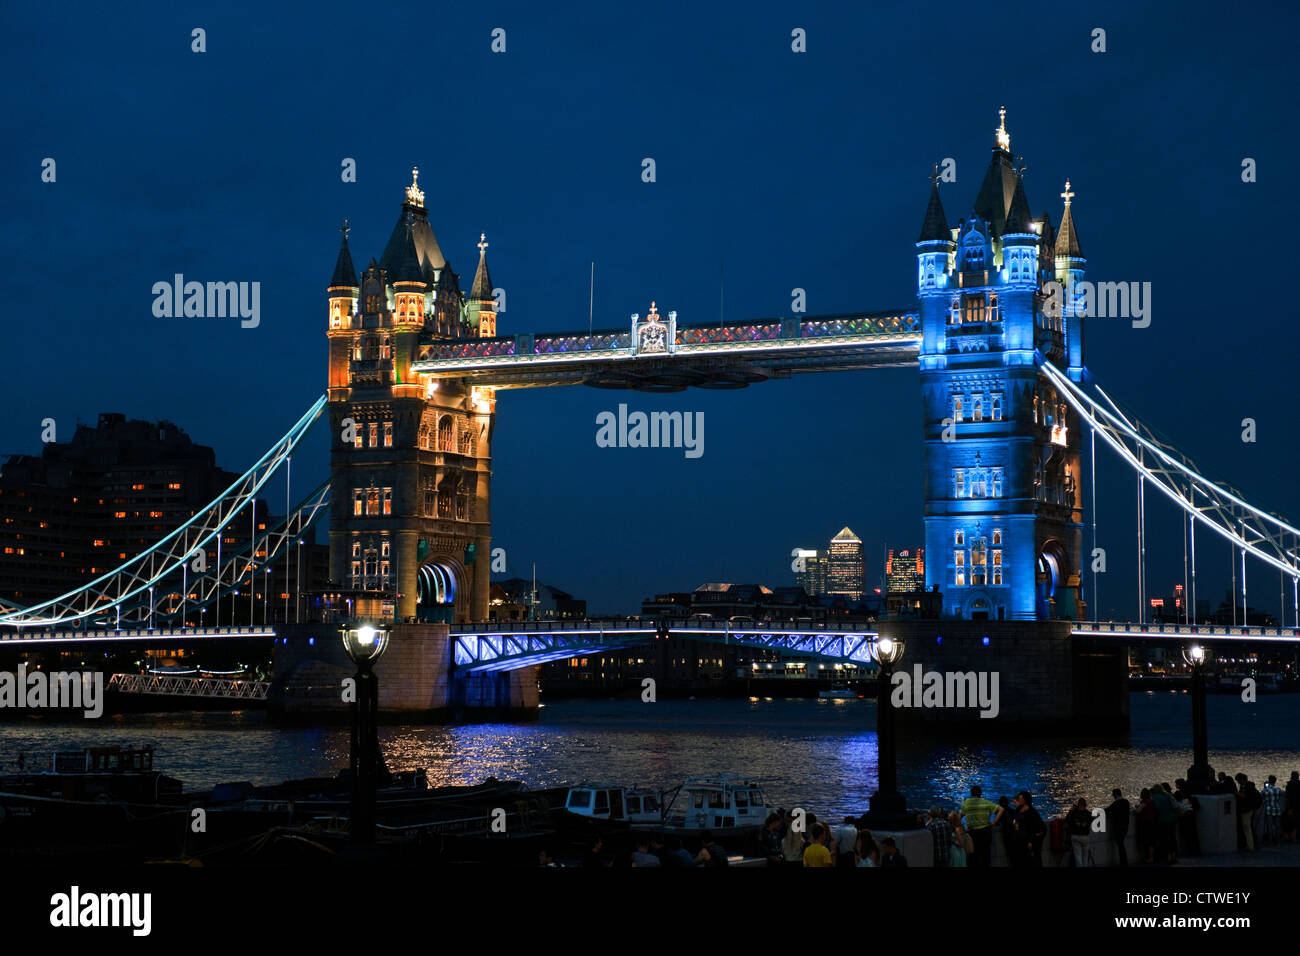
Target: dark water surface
[[819, 754]]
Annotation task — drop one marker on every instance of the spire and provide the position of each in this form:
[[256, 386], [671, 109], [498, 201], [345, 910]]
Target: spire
[[406, 268], [414, 194], [999, 184], [1067, 240], [1019, 219], [935, 225], [345, 274], [482, 287]]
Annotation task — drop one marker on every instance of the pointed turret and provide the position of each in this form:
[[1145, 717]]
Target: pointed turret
[[1067, 240], [1019, 220], [482, 287], [935, 226], [999, 185], [406, 267], [481, 307], [416, 217], [345, 273]]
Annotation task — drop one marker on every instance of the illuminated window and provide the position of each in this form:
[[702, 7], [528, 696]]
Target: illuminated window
[[388, 434], [356, 501], [973, 307], [959, 538], [997, 482], [959, 558], [956, 408], [99, 543], [133, 488], [961, 579], [388, 501], [997, 535], [994, 315], [386, 347], [374, 434], [174, 485], [119, 514], [959, 482], [997, 577], [385, 548], [979, 408], [996, 407], [356, 549], [155, 514], [372, 501], [997, 557]]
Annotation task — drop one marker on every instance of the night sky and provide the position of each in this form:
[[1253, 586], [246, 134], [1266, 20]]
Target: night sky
[[775, 170]]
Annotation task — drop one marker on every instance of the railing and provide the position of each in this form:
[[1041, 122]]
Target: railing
[[1202, 631], [210, 687], [126, 634]]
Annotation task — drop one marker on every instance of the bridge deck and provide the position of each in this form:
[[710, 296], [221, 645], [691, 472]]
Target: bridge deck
[[722, 356]]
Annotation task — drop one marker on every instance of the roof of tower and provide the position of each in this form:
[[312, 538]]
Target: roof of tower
[[345, 273], [1019, 218], [482, 287], [1067, 240], [847, 535], [406, 267], [936, 224], [999, 185], [426, 245]]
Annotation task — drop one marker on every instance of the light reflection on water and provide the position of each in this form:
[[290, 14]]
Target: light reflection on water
[[819, 754]]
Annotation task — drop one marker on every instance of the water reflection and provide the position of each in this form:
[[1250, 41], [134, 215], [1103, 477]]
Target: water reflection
[[821, 755]]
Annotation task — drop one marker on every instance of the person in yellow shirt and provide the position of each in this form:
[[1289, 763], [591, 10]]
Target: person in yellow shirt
[[817, 853]]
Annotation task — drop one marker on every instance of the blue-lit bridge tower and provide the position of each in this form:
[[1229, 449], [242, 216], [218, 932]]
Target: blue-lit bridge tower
[[1003, 520]]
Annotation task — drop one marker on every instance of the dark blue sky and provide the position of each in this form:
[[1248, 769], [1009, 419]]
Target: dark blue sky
[[804, 170]]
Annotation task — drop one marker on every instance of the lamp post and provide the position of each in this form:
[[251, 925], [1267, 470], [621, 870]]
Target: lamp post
[[1200, 776], [365, 644], [886, 799]]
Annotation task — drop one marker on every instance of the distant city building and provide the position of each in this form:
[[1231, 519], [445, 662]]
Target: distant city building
[[905, 571], [845, 568], [813, 576], [513, 600], [85, 506]]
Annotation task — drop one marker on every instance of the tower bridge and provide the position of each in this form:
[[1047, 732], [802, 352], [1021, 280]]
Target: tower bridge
[[414, 374]]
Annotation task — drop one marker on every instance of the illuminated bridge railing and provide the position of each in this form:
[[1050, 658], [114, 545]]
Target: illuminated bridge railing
[[499, 647], [1199, 632], [787, 333], [223, 688], [133, 634]]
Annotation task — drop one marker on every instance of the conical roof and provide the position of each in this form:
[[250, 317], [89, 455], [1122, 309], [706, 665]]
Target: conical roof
[[426, 245], [482, 287], [1019, 219], [935, 225], [1067, 240], [406, 267], [997, 191], [345, 273]]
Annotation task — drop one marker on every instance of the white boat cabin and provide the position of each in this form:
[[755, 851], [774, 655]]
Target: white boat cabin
[[712, 803], [614, 803]]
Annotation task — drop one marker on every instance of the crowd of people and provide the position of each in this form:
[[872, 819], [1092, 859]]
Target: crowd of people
[[1163, 820]]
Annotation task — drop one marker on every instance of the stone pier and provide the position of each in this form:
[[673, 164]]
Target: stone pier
[[1049, 683], [415, 680]]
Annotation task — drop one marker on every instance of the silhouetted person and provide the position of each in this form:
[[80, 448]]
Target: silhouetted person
[[977, 812], [1117, 824], [889, 855]]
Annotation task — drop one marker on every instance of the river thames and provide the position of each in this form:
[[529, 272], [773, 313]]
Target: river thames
[[816, 754]]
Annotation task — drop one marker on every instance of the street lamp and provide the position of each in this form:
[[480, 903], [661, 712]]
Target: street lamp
[[365, 644], [1200, 776], [887, 799]]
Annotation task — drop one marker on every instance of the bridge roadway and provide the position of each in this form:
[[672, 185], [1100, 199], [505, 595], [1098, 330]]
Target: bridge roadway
[[487, 647], [707, 356]]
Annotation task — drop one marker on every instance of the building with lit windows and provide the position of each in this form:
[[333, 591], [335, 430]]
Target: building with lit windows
[[1003, 520], [905, 570], [845, 566]]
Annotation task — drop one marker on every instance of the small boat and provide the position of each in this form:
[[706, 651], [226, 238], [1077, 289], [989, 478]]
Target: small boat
[[610, 803], [838, 692], [727, 804]]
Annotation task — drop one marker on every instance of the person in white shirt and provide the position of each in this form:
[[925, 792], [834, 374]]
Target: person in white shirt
[[846, 839]]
